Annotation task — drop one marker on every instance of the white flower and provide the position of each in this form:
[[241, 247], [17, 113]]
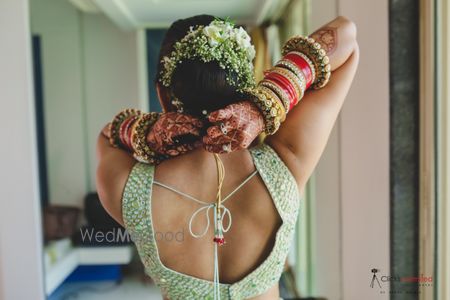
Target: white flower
[[166, 62], [250, 52], [223, 27], [213, 34], [244, 42], [217, 32], [202, 41]]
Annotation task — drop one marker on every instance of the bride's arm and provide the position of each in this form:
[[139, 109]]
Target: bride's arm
[[114, 165], [301, 139]]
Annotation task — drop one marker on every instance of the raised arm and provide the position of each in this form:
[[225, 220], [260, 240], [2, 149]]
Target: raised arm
[[113, 168], [301, 139], [114, 164]]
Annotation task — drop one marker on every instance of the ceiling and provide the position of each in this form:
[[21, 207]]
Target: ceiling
[[135, 14]]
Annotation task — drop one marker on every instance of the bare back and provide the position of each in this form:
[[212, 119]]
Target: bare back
[[255, 219]]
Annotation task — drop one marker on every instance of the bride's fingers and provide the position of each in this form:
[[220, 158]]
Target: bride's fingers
[[219, 130], [197, 123], [220, 115], [214, 132], [180, 133]]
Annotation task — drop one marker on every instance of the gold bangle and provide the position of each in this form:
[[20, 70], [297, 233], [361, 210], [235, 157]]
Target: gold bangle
[[281, 110], [142, 151], [279, 91], [267, 107]]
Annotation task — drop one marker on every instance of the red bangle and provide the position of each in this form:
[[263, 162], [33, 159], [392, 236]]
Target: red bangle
[[122, 131], [302, 64], [282, 85], [127, 132], [121, 127], [285, 84]]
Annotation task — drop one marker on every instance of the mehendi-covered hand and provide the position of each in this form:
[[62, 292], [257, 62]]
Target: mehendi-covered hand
[[175, 133], [236, 126]]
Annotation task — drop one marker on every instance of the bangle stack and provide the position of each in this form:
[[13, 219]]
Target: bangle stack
[[117, 129], [313, 50], [301, 62], [141, 150], [271, 109], [125, 131], [303, 65], [129, 129]]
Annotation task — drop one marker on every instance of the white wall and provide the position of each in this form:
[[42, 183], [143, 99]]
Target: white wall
[[111, 71], [352, 178], [20, 230], [90, 72], [365, 154]]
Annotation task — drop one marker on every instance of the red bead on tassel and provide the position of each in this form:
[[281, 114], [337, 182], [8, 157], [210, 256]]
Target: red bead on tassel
[[219, 240]]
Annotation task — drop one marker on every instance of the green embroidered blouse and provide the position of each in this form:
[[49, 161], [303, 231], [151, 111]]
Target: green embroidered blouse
[[136, 205]]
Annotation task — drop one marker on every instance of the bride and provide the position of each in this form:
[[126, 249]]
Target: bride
[[197, 168]]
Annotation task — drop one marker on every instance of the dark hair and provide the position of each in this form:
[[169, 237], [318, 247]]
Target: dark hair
[[199, 85]]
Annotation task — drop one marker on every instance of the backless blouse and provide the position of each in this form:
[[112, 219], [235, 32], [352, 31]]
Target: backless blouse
[[137, 216]]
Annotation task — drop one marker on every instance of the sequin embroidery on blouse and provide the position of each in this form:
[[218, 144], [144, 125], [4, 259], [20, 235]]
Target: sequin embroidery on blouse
[[136, 210]]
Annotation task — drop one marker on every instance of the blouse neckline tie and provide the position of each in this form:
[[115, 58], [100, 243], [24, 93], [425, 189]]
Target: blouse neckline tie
[[220, 212]]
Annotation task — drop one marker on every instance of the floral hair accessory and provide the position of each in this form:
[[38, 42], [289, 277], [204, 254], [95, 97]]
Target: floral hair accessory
[[219, 41]]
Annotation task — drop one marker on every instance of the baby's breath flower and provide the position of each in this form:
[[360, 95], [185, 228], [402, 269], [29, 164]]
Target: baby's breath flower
[[219, 41]]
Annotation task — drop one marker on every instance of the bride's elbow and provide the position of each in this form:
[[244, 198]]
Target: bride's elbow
[[348, 28]]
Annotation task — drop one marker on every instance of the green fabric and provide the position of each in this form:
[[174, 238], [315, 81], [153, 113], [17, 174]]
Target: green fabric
[[136, 205]]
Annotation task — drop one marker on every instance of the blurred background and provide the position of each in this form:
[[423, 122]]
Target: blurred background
[[373, 221]]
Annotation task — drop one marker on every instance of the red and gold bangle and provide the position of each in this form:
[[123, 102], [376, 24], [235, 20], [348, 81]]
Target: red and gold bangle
[[304, 63], [126, 134], [122, 131], [315, 53], [287, 64], [291, 82], [131, 132], [297, 82], [283, 83], [116, 123]]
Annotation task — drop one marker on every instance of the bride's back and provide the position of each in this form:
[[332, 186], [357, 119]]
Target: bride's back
[[254, 216], [198, 86]]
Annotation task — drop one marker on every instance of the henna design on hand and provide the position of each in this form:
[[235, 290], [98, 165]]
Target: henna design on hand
[[327, 38], [240, 124], [166, 135]]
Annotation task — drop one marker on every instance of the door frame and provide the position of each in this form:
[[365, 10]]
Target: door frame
[[21, 260]]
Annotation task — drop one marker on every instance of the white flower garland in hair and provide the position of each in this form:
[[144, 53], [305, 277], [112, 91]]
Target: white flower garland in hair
[[219, 41]]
